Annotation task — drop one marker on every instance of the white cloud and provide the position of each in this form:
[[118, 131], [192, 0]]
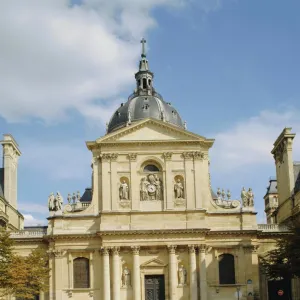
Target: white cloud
[[249, 142], [56, 57], [30, 220], [33, 208]]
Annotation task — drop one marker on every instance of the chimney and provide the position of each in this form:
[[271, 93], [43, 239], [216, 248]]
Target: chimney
[[11, 154], [283, 155]]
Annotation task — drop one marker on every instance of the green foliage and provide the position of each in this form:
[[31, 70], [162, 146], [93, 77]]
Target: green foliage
[[284, 260], [22, 276]]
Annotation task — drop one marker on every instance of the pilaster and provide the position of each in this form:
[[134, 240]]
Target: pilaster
[[134, 182], [168, 180], [189, 179], [116, 273], [106, 184]]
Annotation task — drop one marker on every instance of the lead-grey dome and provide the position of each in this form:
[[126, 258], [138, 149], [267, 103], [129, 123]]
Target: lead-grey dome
[[142, 107], [144, 103]]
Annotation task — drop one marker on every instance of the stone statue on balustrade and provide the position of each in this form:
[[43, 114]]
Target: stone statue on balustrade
[[55, 202], [178, 189], [247, 197], [182, 275], [126, 282], [124, 191]]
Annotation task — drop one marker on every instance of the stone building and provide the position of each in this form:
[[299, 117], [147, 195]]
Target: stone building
[[150, 227]]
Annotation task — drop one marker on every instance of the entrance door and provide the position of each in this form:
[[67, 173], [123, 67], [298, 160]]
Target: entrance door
[[154, 287]]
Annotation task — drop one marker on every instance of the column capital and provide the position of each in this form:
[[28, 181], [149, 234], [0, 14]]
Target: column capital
[[251, 248], [202, 248], [132, 156], [115, 250], [105, 250], [167, 155], [135, 250], [172, 249], [192, 248]]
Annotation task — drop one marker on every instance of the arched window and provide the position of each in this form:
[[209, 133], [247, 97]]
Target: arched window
[[226, 269], [81, 270], [151, 168]]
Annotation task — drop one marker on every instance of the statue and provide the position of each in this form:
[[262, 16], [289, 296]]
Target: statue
[[126, 277], [58, 202], [182, 274], [123, 191], [51, 202], [244, 197], [143, 187], [250, 196], [223, 203], [178, 189]]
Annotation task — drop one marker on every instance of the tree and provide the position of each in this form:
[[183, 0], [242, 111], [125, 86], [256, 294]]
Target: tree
[[283, 262], [22, 276]]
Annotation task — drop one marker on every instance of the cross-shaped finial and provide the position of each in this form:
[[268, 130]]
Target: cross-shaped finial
[[143, 41]]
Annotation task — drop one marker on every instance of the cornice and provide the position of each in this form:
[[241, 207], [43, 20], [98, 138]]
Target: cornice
[[71, 237], [153, 232]]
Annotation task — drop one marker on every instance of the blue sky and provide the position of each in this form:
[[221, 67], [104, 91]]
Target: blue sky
[[231, 68]]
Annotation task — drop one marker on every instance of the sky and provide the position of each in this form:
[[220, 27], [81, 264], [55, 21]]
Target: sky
[[230, 67]]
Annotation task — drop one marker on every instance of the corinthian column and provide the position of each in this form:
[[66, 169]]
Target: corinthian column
[[116, 273], [106, 274], [193, 273], [136, 273], [172, 271], [202, 265]]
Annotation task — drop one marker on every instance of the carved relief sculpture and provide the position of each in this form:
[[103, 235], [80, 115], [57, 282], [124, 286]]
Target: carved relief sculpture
[[126, 277], [124, 191], [226, 203], [182, 275], [151, 188]]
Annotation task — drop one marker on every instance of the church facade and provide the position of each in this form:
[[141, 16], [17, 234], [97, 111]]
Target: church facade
[[151, 227]]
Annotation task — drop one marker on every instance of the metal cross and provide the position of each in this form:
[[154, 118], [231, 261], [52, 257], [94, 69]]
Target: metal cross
[[143, 41]]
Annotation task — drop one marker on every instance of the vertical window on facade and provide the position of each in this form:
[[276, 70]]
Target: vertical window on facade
[[226, 269], [81, 269]]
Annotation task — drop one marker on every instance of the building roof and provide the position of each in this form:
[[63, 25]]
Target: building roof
[[87, 195], [145, 102], [272, 187]]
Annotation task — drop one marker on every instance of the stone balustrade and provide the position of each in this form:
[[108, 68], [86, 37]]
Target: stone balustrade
[[28, 234], [272, 228]]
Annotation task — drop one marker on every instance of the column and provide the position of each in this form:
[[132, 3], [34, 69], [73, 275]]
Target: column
[[202, 265], [96, 185], [59, 254], [172, 272], [91, 270], [134, 182], [255, 269], [189, 180], [70, 267], [106, 274], [136, 273], [169, 185], [193, 273], [105, 184], [42, 296], [116, 273]]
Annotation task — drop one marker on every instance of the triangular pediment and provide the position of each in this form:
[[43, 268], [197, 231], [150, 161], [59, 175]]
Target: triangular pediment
[[153, 263], [151, 130]]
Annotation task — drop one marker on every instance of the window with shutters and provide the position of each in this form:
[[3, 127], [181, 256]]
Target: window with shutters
[[81, 269], [226, 269]]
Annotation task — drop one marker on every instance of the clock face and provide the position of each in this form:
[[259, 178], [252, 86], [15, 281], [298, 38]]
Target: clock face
[[151, 188]]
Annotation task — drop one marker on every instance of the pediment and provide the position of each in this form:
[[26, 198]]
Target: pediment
[[151, 130], [153, 263]]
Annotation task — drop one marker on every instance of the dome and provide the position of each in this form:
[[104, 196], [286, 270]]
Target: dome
[[144, 103], [143, 107]]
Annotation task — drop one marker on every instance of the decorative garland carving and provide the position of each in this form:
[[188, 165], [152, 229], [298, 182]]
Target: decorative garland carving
[[109, 156], [196, 155]]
